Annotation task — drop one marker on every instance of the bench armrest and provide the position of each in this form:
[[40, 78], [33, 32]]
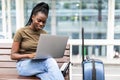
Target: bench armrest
[[64, 68]]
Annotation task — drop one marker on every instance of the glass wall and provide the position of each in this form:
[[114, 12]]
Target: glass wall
[[13, 17], [94, 20], [117, 25], [92, 15], [75, 14], [66, 17], [1, 18], [7, 18], [117, 19]]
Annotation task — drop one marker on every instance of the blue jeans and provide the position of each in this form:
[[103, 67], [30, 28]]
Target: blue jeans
[[46, 69]]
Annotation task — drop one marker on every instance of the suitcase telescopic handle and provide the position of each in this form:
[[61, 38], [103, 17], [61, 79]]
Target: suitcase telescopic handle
[[82, 44], [83, 52]]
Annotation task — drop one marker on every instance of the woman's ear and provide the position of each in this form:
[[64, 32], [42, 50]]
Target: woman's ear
[[33, 17]]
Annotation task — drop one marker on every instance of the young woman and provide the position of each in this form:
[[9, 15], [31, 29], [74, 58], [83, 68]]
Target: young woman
[[24, 46]]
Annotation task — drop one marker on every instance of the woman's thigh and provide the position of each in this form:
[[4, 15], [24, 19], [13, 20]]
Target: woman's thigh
[[52, 71], [30, 67]]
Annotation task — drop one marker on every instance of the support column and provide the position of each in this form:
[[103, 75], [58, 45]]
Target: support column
[[53, 18], [19, 13], [110, 28]]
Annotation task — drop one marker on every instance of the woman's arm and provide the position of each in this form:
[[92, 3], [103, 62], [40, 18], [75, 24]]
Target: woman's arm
[[15, 55]]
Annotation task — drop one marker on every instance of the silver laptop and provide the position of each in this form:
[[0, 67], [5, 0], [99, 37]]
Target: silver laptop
[[51, 46]]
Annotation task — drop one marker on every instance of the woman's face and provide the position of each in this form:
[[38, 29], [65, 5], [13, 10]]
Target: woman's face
[[38, 21]]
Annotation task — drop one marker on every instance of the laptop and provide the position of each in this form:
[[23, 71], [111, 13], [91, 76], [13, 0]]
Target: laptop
[[51, 46]]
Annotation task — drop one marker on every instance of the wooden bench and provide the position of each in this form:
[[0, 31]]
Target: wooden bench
[[8, 67]]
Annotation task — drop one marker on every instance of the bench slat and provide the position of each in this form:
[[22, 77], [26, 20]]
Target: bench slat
[[5, 45], [7, 64], [11, 74], [13, 64], [5, 51], [5, 58], [16, 77]]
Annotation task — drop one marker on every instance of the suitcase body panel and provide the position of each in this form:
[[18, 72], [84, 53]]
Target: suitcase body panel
[[88, 68]]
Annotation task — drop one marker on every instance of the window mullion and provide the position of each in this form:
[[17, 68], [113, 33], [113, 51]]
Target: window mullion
[[9, 32], [3, 18]]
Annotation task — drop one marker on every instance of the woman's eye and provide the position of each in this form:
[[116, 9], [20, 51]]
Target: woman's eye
[[41, 21]]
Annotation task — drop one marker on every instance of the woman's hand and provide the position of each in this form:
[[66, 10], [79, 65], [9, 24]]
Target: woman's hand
[[32, 55]]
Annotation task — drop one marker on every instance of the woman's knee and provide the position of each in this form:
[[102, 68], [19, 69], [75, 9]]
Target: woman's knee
[[51, 62]]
